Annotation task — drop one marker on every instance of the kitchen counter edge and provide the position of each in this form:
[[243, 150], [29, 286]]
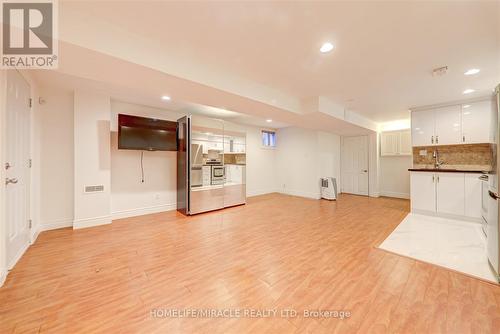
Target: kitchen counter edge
[[444, 170]]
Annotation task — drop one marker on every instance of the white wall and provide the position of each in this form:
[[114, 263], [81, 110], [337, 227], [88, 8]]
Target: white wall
[[302, 157], [373, 165], [3, 229], [130, 196], [395, 177], [329, 155], [92, 164], [261, 172], [55, 158]]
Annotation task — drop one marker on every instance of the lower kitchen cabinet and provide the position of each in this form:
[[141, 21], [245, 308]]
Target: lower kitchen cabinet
[[423, 191], [473, 195], [450, 193], [446, 194]]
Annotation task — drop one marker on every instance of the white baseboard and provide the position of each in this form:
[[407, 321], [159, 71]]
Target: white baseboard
[[374, 194], [3, 276], [251, 193], [91, 222], [300, 193], [143, 211], [395, 194], [34, 234], [55, 225], [18, 256]]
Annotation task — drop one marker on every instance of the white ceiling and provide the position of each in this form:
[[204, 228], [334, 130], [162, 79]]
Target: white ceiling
[[380, 67]]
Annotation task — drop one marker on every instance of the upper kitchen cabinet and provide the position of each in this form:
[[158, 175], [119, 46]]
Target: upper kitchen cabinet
[[235, 143], [476, 123], [447, 131], [422, 128], [470, 123], [394, 143]]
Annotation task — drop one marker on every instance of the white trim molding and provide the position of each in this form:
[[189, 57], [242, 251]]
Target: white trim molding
[[299, 193], [258, 192], [3, 276], [143, 211], [18, 256], [91, 222], [56, 224], [395, 194]]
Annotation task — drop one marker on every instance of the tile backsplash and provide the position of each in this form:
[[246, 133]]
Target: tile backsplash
[[463, 155]]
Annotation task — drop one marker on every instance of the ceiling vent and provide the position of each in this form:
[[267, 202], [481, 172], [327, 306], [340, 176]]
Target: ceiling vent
[[440, 71]]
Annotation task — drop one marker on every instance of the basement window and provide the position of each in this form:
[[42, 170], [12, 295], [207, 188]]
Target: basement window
[[268, 138]]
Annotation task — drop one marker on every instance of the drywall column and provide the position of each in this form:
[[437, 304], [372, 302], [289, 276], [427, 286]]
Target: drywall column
[[374, 164], [3, 227], [92, 113]]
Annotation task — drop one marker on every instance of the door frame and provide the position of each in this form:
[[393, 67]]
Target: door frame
[[4, 270], [367, 159]]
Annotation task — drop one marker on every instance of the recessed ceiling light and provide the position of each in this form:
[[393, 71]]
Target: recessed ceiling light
[[269, 120], [466, 106], [472, 71], [326, 47], [468, 91], [166, 98]]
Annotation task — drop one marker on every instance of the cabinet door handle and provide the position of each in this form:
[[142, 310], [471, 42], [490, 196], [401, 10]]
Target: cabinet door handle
[[438, 179], [437, 141], [432, 178], [432, 139], [463, 138]]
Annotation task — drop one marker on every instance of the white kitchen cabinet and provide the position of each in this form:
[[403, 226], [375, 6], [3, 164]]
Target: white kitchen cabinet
[[405, 142], [446, 194], [448, 125], [470, 123], [473, 195], [389, 143], [393, 143], [422, 128], [450, 193], [423, 191], [476, 122]]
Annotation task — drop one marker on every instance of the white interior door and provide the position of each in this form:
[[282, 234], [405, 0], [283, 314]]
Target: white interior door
[[355, 165], [17, 180]]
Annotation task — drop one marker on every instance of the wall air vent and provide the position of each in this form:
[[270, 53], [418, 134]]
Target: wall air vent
[[94, 189]]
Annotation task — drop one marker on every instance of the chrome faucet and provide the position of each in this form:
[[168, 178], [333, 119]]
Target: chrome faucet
[[437, 163]]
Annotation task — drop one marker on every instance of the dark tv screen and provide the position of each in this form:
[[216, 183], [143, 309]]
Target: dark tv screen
[[141, 133]]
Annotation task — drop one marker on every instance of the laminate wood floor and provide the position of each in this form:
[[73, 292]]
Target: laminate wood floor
[[277, 252]]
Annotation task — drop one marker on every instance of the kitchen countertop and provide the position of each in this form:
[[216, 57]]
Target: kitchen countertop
[[446, 170]]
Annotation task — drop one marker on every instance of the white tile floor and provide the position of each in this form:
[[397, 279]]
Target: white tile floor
[[449, 243]]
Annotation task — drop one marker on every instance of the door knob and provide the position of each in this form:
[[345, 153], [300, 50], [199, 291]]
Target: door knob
[[365, 170], [493, 195], [13, 181]]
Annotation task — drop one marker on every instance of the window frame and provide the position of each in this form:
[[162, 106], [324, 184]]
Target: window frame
[[268, 132]]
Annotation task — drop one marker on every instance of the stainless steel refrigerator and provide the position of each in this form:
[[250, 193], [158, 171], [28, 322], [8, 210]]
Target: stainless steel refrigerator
[[204, 181], [493, 231]]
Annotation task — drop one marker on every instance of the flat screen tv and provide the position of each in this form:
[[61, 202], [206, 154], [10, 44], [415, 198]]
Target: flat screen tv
[[141, 133]]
